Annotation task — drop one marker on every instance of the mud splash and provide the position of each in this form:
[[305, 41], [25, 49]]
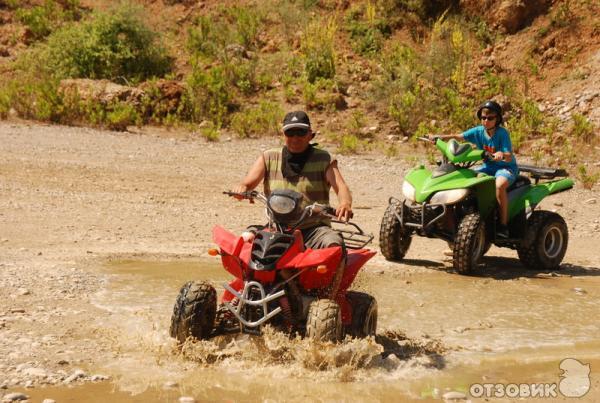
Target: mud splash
[[438, 331]]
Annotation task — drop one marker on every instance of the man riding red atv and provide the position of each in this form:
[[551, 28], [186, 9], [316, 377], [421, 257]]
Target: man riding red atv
[[280, 282]]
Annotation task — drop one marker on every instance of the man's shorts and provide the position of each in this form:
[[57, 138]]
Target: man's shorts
[[321, 237], [497, 172]]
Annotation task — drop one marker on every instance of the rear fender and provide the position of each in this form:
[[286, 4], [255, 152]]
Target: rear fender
[[537, 193]]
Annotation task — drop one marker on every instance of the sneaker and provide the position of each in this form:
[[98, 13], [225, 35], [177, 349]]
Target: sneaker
[[502, 231]]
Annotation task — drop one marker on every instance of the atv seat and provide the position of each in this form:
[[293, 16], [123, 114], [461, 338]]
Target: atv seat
[[543, 173], [519, 182]]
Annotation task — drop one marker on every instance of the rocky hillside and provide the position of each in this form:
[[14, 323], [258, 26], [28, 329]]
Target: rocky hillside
[[373, 74]]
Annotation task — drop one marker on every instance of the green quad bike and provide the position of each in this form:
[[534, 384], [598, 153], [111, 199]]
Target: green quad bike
[[458, 205]]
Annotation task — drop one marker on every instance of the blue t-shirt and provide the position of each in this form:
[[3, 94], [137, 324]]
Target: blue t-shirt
[[500, 141]]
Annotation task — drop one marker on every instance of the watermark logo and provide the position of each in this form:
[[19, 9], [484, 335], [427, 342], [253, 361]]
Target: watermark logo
[[575, 378], [574, 382]]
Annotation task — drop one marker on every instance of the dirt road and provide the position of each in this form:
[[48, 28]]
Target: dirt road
[[73, 199]]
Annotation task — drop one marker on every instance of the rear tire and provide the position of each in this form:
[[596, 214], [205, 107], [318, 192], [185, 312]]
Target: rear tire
[[364, 314], [324, 321], [394, 240], [469, 243], [194, 311], [545, 242]]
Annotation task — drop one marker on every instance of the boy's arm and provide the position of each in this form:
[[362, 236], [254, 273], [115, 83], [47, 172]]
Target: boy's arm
[[458, 137], [506, 149]]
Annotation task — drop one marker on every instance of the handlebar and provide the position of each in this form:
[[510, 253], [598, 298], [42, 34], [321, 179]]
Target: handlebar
[[250, 194]]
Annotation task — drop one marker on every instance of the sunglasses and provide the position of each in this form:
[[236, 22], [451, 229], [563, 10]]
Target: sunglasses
[[295, 132], [488, 118]]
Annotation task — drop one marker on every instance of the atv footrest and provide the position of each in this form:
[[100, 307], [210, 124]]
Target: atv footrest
[[543, 173]]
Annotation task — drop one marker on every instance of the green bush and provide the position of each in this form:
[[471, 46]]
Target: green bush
[[211, 35], [318, 50], [263, 120], [367, 31], [588, 180], [209, 95], [42, 20], [112, 46], [121, 115], [582, 129], [349, 144]]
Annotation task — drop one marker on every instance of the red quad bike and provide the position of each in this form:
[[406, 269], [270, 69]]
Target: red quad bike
[[280, 282]]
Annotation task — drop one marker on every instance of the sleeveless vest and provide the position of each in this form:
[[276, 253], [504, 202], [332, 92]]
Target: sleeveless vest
[[311, 182]]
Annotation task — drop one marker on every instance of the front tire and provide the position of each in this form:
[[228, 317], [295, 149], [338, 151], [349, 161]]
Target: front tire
[[545, 242], [364, 314], [324, 321], [394, 240], [469, 243], [194, 311]]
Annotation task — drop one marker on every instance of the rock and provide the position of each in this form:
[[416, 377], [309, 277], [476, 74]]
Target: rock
[[97, 377], [591, 201], [454, 396], [509, 15], [579, 291], [187, 399], [37, 372], [76, 375], [392, 361], [170, 384], [23, 291], [48, 401], [102, 91], [14, 397]]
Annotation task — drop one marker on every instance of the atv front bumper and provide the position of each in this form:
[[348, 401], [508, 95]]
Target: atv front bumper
[[420, 217], [248, 297]]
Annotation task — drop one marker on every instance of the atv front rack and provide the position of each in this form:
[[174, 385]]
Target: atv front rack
[[244, 298], [353, 239], [426, 219]]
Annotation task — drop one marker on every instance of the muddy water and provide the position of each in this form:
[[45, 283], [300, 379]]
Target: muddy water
[[438, 331]]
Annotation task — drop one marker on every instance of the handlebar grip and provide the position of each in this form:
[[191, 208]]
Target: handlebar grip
[[329, 210]]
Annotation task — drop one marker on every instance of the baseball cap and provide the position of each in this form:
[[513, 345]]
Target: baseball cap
[[296, 120]]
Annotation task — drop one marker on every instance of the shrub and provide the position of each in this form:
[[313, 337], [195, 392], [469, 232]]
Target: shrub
[[248, 21], [318, 50], [258, 121], [209, 95], [111, 46], [349, 144], [588, 180], [582, 129], [42, 20], [120, 115], [367, 31]]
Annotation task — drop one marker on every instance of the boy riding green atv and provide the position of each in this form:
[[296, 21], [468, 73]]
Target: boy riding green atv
[[471, 209]]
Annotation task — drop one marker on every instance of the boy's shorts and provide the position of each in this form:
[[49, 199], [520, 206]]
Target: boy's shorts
[[496, 172]]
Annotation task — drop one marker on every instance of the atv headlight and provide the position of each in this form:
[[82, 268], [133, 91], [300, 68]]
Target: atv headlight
[[408, 191], [449, 196], [282, 204]]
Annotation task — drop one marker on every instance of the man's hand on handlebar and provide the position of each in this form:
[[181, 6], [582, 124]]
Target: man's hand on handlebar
[[240, 193], [343, 212]]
